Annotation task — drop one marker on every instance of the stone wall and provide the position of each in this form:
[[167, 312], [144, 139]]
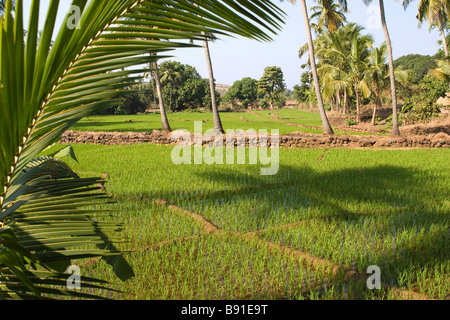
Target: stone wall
[[440, 140]]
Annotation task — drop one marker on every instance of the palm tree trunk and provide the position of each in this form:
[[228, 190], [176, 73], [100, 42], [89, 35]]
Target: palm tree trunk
[[444, 42], [377, 104], [170, 99], [358, 111], [217, 122], [154, 89], [338, 100], [395, 129], [374, 116], [346, 102], [323, 115], [165, 121]]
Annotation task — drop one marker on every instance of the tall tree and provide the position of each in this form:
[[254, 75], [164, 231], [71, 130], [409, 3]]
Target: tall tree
[[271, 86], [212, 86], [345, 62], [155, 77], [170, 73], [323, 115], [395, 128], [378, 75], [436, 12], [162, 109], [330, 16]]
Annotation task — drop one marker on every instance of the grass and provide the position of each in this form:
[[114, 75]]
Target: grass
[[353, 208], [286, 121]]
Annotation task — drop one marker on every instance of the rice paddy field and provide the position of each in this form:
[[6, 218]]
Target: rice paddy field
[[285, 120], [310, 232]]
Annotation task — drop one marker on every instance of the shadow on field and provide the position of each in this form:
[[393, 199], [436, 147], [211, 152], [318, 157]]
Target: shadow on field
[[406, 200], [347, 192], [115, 126]]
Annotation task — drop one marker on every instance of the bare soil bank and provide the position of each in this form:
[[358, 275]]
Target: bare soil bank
[[293, 140]]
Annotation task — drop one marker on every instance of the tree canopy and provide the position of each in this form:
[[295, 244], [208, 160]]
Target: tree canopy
[[243, 91], [417, 65], [271, 86]]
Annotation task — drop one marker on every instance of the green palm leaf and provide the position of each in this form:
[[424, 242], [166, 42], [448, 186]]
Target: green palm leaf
[[49, 215]]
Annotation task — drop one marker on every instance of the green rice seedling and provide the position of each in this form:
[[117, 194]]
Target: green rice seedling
[[357, 209]]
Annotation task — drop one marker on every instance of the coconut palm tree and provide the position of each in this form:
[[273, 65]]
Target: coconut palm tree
[[345, 62], [162, 109], [212, 86], [378, 75], [336, 78], [327, 129], [395, 128], [48, 214], [156, 82], [330, 16], [170, 73], [436, 12]]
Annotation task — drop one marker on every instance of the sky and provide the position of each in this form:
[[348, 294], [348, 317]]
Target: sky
[[237, 58]]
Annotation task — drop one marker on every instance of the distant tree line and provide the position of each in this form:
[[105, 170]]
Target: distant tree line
[[183, 88], [268, 92], [417, 88]]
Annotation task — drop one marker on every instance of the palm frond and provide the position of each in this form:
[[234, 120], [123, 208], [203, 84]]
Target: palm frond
[[46, 86]]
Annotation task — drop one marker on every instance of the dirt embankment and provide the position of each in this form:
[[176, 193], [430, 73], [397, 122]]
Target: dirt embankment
[[293, 140], [435, 134], [338, 121], [434, 127]]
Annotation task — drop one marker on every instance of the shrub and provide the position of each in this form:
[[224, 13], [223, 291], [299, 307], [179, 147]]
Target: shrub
[[350, 122], [423, 105], [264, 103]]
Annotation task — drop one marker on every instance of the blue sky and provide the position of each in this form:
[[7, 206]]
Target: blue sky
[[236, 58]]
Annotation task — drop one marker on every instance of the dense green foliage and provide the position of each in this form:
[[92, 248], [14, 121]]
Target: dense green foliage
[[423, 102], [271, 88], [269, 92], [417, 65], [303, 91], [183, 87], [244, 92]]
